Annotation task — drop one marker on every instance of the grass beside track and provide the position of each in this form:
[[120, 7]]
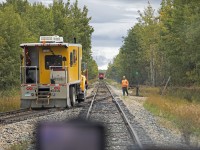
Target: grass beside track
[[183, 113], [9, 100]]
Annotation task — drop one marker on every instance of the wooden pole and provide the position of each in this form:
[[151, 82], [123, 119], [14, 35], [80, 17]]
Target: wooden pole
[[166, 85]]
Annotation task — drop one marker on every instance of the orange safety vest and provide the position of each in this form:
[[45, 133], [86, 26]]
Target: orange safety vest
[[124, 83]]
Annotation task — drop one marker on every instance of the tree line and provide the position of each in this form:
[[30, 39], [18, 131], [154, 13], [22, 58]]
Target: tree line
[[21, 21], [162, 45]]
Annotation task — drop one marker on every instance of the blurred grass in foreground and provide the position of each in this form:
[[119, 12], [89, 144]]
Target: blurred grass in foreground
[[175, 106], [9, 100]]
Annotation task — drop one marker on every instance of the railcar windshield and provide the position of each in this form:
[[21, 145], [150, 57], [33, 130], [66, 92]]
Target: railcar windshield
[[53, 60]]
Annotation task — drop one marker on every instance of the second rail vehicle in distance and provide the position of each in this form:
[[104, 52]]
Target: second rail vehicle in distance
[[101, 76]]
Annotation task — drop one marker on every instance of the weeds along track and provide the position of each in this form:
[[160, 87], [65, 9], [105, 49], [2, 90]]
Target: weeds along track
[[119, 132]]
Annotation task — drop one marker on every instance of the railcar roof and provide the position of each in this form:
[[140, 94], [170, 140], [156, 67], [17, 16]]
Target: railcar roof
[[49, 44]]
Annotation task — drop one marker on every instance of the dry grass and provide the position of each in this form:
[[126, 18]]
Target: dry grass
[[92, 81], [147, 91], [184, 114], [113, 83], [191, 94], [9, 100], [175, 107], [19, 146]]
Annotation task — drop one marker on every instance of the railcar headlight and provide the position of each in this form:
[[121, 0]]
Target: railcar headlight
[[32, 94]]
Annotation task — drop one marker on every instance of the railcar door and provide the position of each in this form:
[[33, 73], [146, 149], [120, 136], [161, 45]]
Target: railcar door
[[74, 64]]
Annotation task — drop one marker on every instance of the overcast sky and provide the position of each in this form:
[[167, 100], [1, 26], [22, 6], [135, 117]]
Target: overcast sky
[[110, 19]]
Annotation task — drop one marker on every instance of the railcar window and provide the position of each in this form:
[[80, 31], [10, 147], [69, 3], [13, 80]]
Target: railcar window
[[53, 60], [71, 59], [74, 56]]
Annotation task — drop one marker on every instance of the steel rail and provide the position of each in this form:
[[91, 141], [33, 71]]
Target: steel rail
[[90, 108], [90, 96], [132, 131], [21, 117], [13, 112]]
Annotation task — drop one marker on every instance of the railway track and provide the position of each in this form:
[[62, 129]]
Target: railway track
[[12, 112], [104, 108], [23, 114]]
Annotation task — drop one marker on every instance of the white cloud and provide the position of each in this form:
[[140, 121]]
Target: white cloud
[[111, 30], [104, 67], [107, 52], [104, 55]]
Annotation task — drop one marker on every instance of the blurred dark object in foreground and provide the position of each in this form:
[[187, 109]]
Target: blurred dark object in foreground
[[71, 135]]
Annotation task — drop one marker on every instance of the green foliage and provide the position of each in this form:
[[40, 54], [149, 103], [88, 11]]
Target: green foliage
[[92, 69], [161, 46], [39, 20], [22, 22], [12, 32]]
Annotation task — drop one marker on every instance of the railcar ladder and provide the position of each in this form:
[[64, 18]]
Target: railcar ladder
[[43, 95]]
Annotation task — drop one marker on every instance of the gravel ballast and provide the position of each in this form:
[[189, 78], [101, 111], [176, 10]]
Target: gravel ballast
[[161, 136], [24, 131]]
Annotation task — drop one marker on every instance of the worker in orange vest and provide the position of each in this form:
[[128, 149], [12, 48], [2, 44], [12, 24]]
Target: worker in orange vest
[[125, 86]]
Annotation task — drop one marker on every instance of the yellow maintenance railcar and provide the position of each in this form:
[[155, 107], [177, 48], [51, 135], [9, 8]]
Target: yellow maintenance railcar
[[51, 73]]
